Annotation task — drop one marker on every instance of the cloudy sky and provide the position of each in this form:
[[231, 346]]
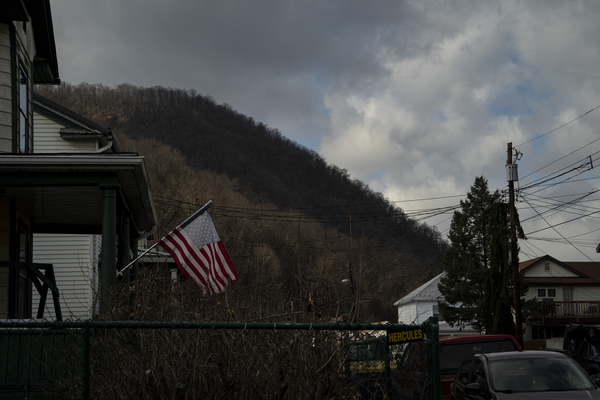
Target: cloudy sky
[[415, 98]]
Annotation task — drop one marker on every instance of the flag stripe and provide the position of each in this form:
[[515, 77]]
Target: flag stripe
[[191, 258], [174, 248], [182, 250], [207, 259], [228, 266], [215, 272]]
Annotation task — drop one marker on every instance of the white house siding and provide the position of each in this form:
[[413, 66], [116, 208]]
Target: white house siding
[[407, 313], [580, 293], [5, 91], [75, 262], [48, 140], [532, 291], [554, 271], [586, 293], [416, 312]]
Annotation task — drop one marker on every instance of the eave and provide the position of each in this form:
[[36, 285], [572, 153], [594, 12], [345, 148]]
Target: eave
[[45, 61], [13, 10]]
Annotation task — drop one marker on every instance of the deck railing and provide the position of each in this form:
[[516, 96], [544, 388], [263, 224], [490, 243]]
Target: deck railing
[[578, 309]]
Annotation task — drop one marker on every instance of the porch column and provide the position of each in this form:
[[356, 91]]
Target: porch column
[[108, 267]]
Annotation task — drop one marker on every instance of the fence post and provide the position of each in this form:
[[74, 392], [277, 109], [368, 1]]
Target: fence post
[[85, 370], [388, 381]]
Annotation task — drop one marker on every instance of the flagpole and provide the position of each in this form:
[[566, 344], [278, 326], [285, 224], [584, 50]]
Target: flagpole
[[120, 273]]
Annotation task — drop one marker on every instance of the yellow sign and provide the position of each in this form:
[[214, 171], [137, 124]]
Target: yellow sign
[[405, 336]]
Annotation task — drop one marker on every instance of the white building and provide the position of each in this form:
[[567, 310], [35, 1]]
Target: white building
[[422, 303]]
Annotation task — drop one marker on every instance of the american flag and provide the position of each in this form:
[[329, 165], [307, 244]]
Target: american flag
[[199, 253]]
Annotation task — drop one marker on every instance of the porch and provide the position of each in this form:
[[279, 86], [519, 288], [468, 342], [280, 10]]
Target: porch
[[565, 312]]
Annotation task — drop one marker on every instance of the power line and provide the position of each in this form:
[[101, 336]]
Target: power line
[[554, 228], [560, 127]]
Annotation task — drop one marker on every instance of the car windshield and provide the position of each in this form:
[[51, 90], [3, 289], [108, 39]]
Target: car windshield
[[537, 375]]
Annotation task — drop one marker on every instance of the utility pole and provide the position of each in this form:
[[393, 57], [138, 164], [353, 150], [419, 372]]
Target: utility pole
[[511, 177]]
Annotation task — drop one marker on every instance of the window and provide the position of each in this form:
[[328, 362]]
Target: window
[[478, 374], [24, 138], [463, 373], [547, 267], [451, 354], [436, 312], [546, 293]]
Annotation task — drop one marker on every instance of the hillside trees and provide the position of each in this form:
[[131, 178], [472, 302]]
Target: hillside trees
[[294, 219]]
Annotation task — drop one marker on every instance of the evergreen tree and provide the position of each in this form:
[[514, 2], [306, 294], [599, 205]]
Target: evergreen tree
[[495, 311], [466, 261]]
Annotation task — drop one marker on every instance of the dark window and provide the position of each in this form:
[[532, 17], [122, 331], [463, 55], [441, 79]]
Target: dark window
[[436, 313], [546, 293], [21, 300], [451, 355], [463, 374], [25, 137], [478, 375]]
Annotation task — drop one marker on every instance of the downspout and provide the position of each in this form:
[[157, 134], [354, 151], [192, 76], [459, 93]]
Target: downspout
[[110, 138], [148, 233]]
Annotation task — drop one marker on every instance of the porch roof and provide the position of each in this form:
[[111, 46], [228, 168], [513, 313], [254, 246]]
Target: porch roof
[[63, 192]]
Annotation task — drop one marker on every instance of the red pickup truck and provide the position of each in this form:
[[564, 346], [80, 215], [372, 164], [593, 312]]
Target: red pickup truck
[[455, 349], [452, 351]]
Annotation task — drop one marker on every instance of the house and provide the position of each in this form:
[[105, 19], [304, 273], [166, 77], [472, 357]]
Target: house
[[77, 184], [76, 256], [422, 303], [567, 293], [161, 259]]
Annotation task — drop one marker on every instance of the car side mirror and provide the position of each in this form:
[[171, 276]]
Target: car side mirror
[[473, 388]]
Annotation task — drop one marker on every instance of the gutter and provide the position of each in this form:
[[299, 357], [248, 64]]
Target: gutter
[[79, 134], [110, 139]]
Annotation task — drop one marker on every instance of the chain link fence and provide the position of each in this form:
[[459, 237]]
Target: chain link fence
[[143, 360]]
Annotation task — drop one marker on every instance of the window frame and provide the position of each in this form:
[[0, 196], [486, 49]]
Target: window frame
[[24, 136], [546, 293]]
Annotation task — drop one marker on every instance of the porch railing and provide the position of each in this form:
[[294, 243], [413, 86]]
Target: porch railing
[[577, 309]]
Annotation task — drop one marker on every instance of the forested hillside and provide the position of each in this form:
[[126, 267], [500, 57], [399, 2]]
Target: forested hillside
[[285, 215]]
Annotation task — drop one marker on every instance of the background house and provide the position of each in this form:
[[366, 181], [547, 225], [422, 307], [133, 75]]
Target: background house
[[422, 303], [567, 293]]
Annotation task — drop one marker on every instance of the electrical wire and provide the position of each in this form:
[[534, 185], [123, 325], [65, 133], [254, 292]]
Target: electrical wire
[[560, 127], [556, 230]]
